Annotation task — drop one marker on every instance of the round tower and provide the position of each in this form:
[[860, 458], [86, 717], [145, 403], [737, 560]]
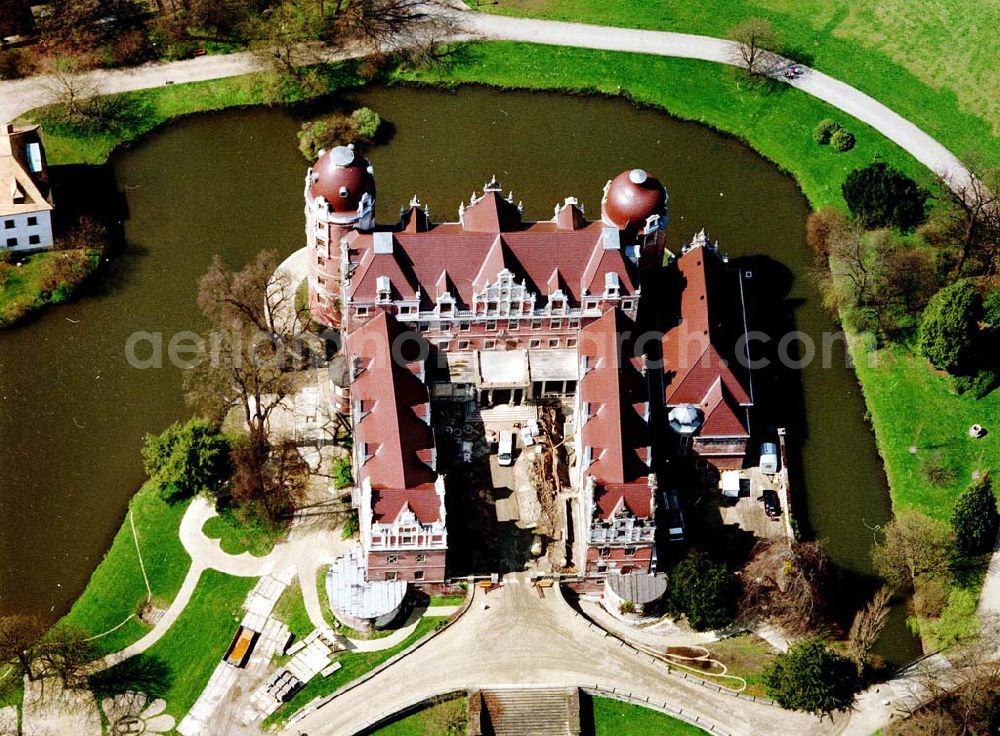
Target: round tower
[[636, 202], [339, 198]]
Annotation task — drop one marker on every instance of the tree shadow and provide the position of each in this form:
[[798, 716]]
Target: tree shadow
[[143, 673]]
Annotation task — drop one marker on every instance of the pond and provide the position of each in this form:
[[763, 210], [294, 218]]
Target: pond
[[74, 412]]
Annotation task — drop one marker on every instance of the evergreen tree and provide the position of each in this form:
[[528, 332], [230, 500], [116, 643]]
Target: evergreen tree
[[812, 678], [703, 591], [948, 328], [975, 518]]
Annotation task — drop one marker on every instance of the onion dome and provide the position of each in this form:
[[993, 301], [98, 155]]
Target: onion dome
[[632, 197], [342, 177]]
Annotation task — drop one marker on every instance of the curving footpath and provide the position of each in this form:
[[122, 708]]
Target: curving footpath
[[19, 96]]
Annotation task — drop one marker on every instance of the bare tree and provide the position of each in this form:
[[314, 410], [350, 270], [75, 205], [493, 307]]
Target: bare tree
[[756, 46], [243, 363], [64, 652], [976, 210], [18, 637], [788, 584], [957, 695], [867, 627], [69, 86], [413, 26]]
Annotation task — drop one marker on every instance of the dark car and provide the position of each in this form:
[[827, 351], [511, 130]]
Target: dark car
[[772, 506]]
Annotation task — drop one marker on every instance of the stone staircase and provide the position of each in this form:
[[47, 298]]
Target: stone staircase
[[524, 712]]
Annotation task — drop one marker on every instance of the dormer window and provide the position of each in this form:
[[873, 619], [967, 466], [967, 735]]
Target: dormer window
[[383, 287], [612, 286], [344, 193]]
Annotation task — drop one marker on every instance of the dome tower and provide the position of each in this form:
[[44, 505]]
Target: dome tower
[[339, 198], [636, 203]]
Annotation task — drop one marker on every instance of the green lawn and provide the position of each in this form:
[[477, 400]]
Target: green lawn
[[913, 406], [430, 721], [117, 589], [237, 536], [777, 122], [178, 666], [613, 717], [291, 609], [354, 664], [21, 287], [932, 62], [744, 656], [447, 600]]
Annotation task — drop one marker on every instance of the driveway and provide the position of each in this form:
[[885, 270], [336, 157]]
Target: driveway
[[513, 637]]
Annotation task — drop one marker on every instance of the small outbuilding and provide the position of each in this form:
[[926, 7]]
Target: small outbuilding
[[633, 594]]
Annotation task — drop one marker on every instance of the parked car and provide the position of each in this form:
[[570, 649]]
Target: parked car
[[772, 506], [768, 458], [505, 452]]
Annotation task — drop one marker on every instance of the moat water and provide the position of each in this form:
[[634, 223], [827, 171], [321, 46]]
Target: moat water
[[73, 412]]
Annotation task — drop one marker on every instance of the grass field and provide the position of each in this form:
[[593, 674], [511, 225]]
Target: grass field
[[933, 62], [117, 590], [178, 666], [291, 609], [613, 717], [912, 406], [21, 287], [599, 717], [354, 664], [744, 656], [430, 721], [237, 536]]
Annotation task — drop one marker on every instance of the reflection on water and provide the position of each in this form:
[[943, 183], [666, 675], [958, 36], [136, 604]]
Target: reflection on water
[[73, 412]]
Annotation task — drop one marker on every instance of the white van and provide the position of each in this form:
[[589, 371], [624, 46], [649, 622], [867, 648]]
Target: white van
[[505, 453]]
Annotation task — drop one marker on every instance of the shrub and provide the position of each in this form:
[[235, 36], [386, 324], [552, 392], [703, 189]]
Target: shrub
[[338, 129], [366, 123], [703, 591], [842, 140], [949, 325], [186, 459], [936, 472], [881, 196], [812, 678], [979, 384], [342, 473], [825, 130], [991, 308], [975, 518]]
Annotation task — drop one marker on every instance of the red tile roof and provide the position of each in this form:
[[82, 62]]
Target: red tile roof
[[532, 253], [635, 497], [616, 431], [393, 434], [699, 351], [388, 504]]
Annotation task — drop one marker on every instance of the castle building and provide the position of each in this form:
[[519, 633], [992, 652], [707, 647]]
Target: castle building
[[25, 194], [496, 311]]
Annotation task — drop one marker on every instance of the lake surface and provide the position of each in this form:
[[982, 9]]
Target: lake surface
[[73, 412]]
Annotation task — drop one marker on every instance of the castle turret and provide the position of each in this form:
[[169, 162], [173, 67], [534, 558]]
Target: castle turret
[[339, 198], [636, 202]]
